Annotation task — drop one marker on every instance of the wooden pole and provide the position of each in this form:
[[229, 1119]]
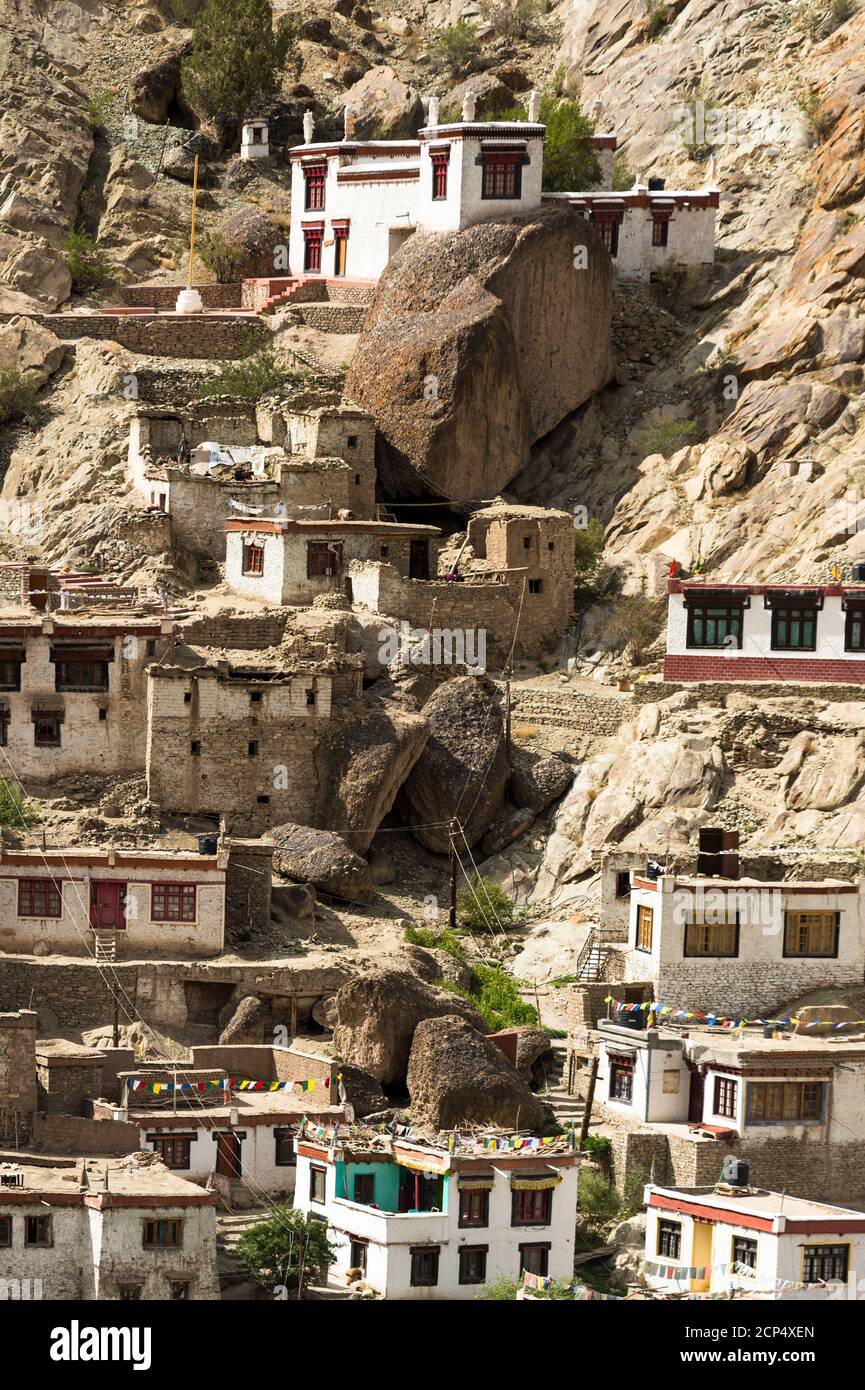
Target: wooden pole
[[590, 1098], [192, 227], [116, 1022], [507, 678], [452, 912]]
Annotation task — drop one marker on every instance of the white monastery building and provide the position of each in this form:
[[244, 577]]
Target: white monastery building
[[765, 632], [354, 203]]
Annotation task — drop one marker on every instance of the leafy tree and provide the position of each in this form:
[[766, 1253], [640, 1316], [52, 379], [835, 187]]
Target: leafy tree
[[18, 391], [249, 377], [237, 58], [455, 45], [588, 548], [502, 1289], [635, 623], [87, 263], [287, 1250], [221, 256], [515, 19], [15, 810], [569, 165], [483, 901]]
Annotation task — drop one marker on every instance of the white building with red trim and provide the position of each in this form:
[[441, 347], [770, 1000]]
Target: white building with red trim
[[354, 203], [714, 1240], [765, 632]]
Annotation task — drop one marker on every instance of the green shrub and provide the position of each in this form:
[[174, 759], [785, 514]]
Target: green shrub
[[635, 622], [809, 101], [221, 257], [455, 45], [249, 377], [238, 57], [667, 437], [496, 996], [569, 166], [483, 903], [514, 19], [15, 810], [598, 1200], [18, 392], [502, 1289], [658, 16], [87, 263], [588, 549], [434, 939], [271, 1250], [98, 110]]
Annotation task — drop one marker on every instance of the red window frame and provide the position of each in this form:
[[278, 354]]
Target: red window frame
[[313, 237], [726, 1096], [660, 227], [502, 175], [173, 902], [314, 180], [439, 174], [172, 1149], [532, 1206], [323, 559], [253, 558], [606, 223], [34, 893], [475, 1208]]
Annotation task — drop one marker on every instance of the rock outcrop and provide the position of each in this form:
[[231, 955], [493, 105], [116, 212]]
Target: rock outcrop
[[483, 340], [457, 1076], [32, 348], [462, 771], [322, 858], [536, 782], [377, 1016], [383, 107], [248, 1021], [370, 759]]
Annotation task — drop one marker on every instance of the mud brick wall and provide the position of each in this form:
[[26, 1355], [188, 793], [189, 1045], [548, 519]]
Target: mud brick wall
[[77, 1134], [209, 336], [18, 1095], [65, 1084], [165, 296], [248, 887], [650, 692]]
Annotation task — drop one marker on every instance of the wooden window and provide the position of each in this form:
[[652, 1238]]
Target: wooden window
[[660, 227], [474, 1208], [854, 629], [4, 730], [536, 586], [285, 1156], [39, 897], [317, 1184], [623, 883], [358, 1254], [532, 1208], [424, 1266], [129, 1293], [712, 938], [312, 239], [252, 748], [473, 1264], [785, 1102], [715, 625], [535, 1259], [622, 1080], [163, 1235], [745, 1251], [172, 902], [151, 647], [606, 224], [46, 732], [670, 1239], [645, 927], [195, 748], [178, 1290], [81, 675], [364, 1188], [10, 673], [502, 175], [794, 629], [172, 1149], [825, 1262], [37, 1230], [5, 1230], [253, 559], [323, 558], [439, 174], [811, 933], [726, 1093], [310, 697], [314, 179]]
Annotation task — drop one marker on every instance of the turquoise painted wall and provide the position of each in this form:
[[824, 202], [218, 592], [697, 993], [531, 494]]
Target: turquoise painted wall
[[387, 1178]]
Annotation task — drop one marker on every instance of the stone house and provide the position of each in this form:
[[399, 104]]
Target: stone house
[[421, 1221], [18, 1094], [107, 1229], [221, 458], [72, 689], [131, 902], [765, 632], [743, 946], [238, 739], [743, 1239], [354, 203]]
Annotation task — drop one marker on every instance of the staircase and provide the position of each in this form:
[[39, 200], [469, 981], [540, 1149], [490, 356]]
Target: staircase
[[567, 1109], [235, 1281], [106, 945], [591, 960], [280, 293]]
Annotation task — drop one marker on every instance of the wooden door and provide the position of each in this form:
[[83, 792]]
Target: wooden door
[[108, 906], [695, 1099], [418, 564], [340, 253], [701, 1255], [228, 1155]]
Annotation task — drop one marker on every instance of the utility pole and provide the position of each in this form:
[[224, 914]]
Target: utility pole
[[116, 1022], [506, 675], [590, 1097], [452, 913]]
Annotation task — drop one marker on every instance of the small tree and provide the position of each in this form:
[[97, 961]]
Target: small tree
[[515, 19], [221, 257], [635, 622], [588, 548], [569, 165], [249, 377], [483, 902], [237, 58], [455, 45], [288, 1250], [86, 262], [15, 810]]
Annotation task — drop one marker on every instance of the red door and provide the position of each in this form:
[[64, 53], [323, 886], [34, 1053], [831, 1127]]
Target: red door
[[228, 1155], [108, 906]]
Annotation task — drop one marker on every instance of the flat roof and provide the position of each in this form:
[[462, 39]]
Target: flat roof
[[759, 1202], [279, 525], [140, 1176], [696, 881]]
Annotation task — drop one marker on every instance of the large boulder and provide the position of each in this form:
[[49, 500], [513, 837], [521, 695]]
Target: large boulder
[[491, 94], [383, 107], [376, 1018], [536, 782], [27, 344], [255, 235], [483, 340], [323, 858], [248, 1021], [463, 770], [369, 760], [505, 830], [457, 1076], [533, 1049], [154, 92]]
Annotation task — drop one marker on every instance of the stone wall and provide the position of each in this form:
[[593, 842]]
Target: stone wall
[[248, 887], [222, 336], [714, 692], [77, 1134], [165, 296], [572, 709], [66, 1083], [18, 1097], [244, 632], [328, 318]]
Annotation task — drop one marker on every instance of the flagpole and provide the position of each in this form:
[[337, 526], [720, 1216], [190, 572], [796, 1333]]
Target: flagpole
[[192, 226]]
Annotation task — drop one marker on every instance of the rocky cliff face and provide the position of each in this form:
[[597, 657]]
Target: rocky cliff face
[[483, 340]]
